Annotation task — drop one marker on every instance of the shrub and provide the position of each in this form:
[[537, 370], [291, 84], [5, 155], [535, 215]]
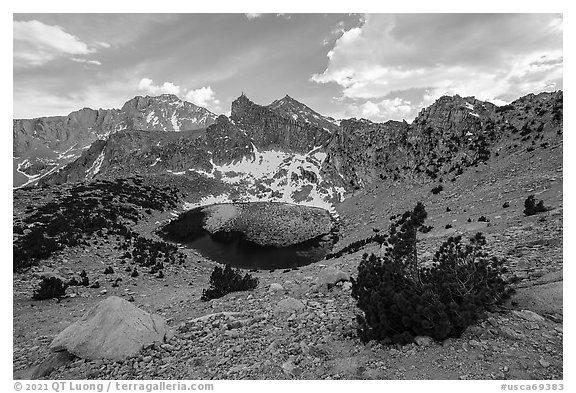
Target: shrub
[[437, 189], [50, 288], [531, 207], [425, 228], [483, 219], [84, 282], [401, 300], [506, 205], [224, 281]]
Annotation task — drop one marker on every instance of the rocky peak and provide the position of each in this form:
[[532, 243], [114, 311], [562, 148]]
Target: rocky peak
[[299, 112], [275, 126], [165, 112]]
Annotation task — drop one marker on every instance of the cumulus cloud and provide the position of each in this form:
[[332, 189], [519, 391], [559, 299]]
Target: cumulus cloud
[[494, 57], [36, 43], [147, 85], [203, 96], [380, 111]]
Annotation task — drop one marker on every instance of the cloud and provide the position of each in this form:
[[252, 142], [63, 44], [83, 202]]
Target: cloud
[[493, 57], [253, 16], [36, 43], [386, 109], [86, 61], [203, 96], [149, 87]]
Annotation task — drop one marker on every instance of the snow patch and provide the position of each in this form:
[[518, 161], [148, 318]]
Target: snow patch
[[272, 175], [208, 200], [95, 168], [174, 121], [175, 173]]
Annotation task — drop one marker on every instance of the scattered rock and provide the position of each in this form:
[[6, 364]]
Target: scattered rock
[[544, 363], [511, 333], [423, 341], [528, 315]]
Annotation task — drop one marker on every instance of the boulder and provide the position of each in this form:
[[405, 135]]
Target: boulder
[[275, 287], [423, 341], [113, 329], [289, 305], [331, 276], [528, 315]]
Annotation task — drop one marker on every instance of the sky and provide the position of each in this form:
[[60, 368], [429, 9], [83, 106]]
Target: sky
[[375, 66]]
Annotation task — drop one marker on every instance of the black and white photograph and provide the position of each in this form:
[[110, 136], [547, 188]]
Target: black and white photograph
[[204, 197]]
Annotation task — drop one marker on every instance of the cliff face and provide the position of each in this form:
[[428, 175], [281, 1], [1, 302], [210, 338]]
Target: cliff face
[[361, 151], [444, 139], [275, 129], [227, 142]]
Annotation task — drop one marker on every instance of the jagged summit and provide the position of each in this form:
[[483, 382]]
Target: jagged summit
[[285, 124]]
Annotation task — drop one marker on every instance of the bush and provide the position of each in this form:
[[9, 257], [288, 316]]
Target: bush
[[224, 281], [437, 189], [84, 282], [50, 288], [531, 207], [401, 300]]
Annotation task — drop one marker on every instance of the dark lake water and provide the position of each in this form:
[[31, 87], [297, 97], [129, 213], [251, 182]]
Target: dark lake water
[[233, 249], [245, 254]]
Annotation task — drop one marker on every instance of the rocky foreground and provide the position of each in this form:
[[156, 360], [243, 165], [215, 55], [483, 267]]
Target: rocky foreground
[[293, 326]]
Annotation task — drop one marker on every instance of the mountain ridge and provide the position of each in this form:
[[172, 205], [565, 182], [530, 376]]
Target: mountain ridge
[[44, 145], [264, 152]]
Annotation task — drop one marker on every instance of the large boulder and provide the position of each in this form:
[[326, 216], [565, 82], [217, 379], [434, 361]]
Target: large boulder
[[113, 329], [331, 276], [289, 305]]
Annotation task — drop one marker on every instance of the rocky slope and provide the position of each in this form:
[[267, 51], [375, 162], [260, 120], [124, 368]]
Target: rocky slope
[[314, 337], [44, 145], [450, 135]]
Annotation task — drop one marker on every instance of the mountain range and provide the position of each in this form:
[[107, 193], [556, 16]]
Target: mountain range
[[282, 151]]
